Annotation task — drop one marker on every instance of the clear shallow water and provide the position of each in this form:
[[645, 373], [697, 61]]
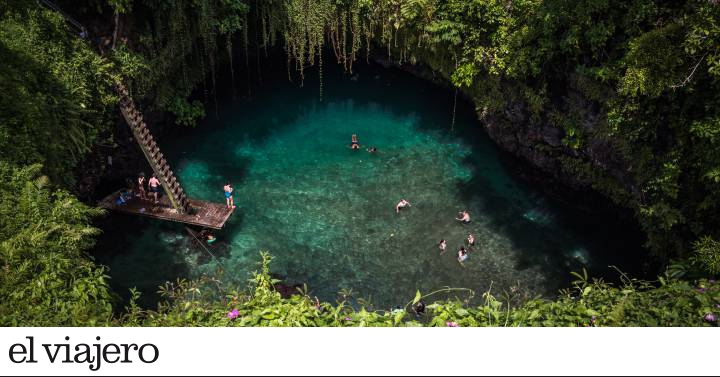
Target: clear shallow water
[[326, 212]]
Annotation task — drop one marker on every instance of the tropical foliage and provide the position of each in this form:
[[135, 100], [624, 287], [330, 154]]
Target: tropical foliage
[[667, 302], [631, 88], [47, 277], [55, 96]]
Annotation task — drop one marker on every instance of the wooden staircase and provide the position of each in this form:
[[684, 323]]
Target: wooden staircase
[[160, 166], [175, 205]]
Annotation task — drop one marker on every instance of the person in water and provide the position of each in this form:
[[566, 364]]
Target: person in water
[[154, 186], [463, 217], [372, 150], [228, 195], [462, 254], [471, 239], [402, 204], [206, 236], [442, 246], [141, 186], [354, 143]]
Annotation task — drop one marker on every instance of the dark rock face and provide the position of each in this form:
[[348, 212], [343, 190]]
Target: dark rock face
[[539, 142], [98, 176]]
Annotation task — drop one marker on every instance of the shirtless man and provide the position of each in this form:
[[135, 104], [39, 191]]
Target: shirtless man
[[471, 239], [402, 204], [154, 185], [442, 246], [463, 217]]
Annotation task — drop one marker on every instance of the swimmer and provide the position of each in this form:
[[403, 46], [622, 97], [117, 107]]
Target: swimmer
[[471, 240], [402, 204], [372, 150], [463, 217], [354, 143], [210, 239], [462, 254], [206, 236], [442, 246]]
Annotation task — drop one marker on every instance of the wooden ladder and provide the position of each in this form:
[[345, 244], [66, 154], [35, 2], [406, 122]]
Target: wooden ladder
[[147, 143]]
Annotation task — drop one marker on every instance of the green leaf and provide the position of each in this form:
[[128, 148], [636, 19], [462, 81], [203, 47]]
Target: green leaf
[[417, 298], [398, 317]]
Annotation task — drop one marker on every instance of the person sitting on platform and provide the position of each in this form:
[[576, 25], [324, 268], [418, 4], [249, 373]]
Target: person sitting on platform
[[123, 198]]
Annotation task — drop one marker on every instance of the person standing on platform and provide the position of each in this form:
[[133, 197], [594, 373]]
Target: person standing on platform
[[154, 185], [228, 195], [141, 186]]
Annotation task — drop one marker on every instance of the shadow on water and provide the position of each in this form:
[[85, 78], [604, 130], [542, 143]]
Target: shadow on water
[[140, 253], [326, 212]]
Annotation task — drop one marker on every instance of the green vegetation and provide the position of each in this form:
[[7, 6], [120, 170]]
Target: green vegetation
[[633, 86], [55, 97], [47, 277], [588, 303]]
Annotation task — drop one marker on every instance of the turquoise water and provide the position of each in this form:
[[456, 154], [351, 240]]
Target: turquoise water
[[327, 213]]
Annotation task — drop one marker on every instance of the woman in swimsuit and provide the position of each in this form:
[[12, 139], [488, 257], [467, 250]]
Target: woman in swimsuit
[[354, 143], [141, 186]]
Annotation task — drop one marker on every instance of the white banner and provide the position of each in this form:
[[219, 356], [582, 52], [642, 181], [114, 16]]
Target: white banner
[[359, 351]]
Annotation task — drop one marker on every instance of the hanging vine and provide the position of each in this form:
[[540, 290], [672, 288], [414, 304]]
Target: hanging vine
[[305, 30]]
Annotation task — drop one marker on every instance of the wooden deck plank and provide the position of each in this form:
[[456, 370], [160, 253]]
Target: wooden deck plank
[[206, 214]]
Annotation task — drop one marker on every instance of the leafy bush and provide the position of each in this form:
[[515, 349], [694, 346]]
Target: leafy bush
[[707, 254], [668, 302], [186, 113], [54, 91], [47, 277]]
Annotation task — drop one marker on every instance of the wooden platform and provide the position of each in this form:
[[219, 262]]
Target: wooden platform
[[206, 214]]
